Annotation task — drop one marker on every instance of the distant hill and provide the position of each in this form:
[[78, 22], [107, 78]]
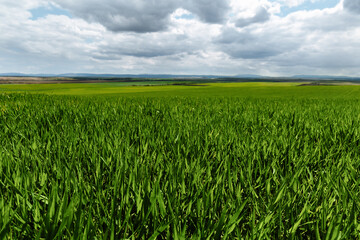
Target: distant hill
[[13, 75], [251, 76], [89, 75], [163, 76], [167, 76], [324, 77]]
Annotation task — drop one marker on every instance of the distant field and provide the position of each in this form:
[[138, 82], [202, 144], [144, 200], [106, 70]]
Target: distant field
[[144, 89], [33, 80], [216, 161]]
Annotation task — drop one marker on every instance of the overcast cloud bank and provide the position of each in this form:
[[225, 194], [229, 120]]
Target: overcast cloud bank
[[180, 37]]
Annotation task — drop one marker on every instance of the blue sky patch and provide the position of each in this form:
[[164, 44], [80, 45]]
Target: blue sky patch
[[42, 12], [186, 16], [308, 6]]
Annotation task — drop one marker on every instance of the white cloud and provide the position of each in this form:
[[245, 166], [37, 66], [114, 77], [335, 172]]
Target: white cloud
[[247, 37]]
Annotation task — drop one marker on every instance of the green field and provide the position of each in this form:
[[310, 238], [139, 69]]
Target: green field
[[257, 90], [219, 161]]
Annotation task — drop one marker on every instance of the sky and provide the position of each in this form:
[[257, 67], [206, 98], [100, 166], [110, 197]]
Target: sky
[[219, 37]]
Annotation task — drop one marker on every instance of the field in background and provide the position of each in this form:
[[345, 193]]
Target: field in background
[[167, 89], [217, 161]]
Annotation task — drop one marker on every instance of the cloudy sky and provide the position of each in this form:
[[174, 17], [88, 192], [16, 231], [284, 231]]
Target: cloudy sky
[[229, 37]]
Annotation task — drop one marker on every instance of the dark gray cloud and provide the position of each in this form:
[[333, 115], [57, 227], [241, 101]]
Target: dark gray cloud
[[352, 5], [113, 52], [246, 44], [143, 15], [123, 15], [209, 11], [153, 45], [261, 15]]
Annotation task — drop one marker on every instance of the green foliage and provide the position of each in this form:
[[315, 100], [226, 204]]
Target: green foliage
[[178, 168]]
